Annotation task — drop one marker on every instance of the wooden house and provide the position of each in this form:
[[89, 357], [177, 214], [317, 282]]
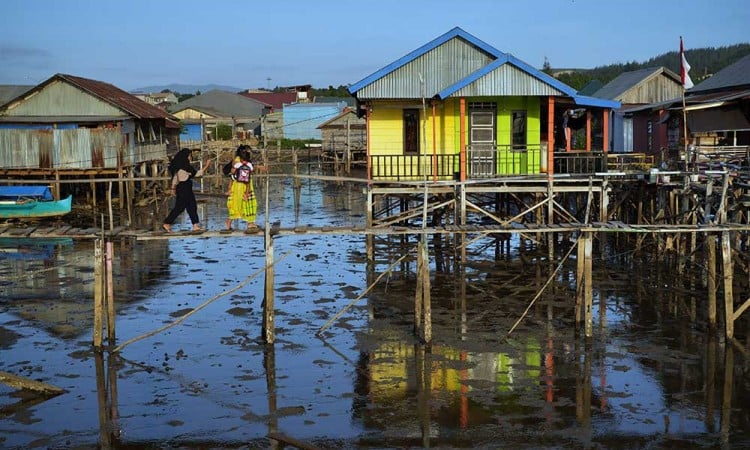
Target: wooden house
[[69, 123], [457, 107], [344, 134], [643, 133], [717, 113]]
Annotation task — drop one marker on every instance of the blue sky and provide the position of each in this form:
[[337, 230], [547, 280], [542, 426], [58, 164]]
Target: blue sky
[[136, 43]]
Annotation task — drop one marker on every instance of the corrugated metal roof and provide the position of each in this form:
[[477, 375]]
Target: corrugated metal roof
[[504, 80], [223, 104], [273, 99], [122, 100], [734, 75], [628, 80], [116, 97], [464, 55], [459, 64]]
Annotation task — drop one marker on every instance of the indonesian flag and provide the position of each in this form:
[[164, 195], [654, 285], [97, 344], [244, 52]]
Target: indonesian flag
[[687, 83]]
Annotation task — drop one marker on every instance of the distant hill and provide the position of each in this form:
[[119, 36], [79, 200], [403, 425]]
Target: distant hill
[[704, 62], [186, 88]]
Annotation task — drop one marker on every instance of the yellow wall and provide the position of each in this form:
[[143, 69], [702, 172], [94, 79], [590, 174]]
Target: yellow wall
[[386, 134]]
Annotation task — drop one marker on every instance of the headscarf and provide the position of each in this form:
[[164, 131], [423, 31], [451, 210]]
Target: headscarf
[[181, 160]]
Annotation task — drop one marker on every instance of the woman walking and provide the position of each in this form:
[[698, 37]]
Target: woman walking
[[182, 187], [241, 203]]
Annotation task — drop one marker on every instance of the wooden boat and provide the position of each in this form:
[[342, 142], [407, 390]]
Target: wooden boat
[[31, 202]]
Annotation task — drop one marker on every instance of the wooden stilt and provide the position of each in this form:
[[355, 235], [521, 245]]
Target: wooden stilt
[[588, 289], [110, 297], [726, 254], [580, 261], [268, 299], [422, 306], [709, 384], [98, 293]]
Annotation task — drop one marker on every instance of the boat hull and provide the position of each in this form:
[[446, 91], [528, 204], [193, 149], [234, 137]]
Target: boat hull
[[35, 208]]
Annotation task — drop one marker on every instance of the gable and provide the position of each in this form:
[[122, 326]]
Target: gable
[[60, 99], [439, 67], [506, 80]]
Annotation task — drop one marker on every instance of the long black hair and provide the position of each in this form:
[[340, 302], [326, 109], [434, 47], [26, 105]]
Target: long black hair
[[181, 160]]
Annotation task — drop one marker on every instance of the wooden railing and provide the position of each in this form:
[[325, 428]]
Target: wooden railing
[[629, 162], [483, 163]]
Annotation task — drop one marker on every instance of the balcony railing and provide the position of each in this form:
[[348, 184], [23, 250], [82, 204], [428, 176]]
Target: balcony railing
[[483, 162]]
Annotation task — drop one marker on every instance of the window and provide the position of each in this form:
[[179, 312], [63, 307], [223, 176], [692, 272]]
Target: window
[[518, 124], [411, 131]]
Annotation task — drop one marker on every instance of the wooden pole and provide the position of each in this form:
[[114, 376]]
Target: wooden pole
[[588, 289], [98, 293], [580, 281], [110, 298], [268, 298], [726, 254], [423, 291], [711, 243], [109, 205]]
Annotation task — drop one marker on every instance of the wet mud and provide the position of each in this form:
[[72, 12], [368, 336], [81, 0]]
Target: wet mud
[[652, 376]]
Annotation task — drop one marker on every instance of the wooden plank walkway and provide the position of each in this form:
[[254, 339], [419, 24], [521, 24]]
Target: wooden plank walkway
[[46, 232]]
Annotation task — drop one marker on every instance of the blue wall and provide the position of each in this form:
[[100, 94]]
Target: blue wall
[[302, 119], [191, 132]]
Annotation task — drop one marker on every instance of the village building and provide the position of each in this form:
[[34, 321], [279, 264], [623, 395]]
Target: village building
[[344, 136], [717, 113], [70, 123], [201, 115], [158, 98], [643, 133], [474, 112]]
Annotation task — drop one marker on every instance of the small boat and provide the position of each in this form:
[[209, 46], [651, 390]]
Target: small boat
[[31, 202]]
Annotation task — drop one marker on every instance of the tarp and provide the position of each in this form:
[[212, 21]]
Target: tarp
[[38, 192]]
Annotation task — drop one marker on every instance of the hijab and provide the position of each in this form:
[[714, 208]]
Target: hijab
[[181, 161]]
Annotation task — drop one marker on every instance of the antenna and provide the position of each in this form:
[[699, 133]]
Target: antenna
[[268, 80]]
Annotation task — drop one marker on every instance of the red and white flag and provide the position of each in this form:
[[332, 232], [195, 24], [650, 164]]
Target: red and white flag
[[687, 83]]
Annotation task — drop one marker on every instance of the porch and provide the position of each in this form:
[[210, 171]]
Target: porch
[[484, 162]]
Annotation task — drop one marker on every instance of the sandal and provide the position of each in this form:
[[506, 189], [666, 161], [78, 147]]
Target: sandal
[[167, 228]]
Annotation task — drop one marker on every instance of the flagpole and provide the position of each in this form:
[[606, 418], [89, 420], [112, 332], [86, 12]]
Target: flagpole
[[686, 83], [684, 126]]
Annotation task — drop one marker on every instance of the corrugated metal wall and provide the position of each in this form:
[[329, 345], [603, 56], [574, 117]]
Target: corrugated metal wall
[[62, 99], [302, 119], [80, 148], [440, 68]]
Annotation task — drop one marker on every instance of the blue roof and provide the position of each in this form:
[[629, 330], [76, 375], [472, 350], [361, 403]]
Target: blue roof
[[501, 59], [438, 41]]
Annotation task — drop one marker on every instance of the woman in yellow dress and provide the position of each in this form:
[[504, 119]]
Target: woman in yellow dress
[[241, 201]]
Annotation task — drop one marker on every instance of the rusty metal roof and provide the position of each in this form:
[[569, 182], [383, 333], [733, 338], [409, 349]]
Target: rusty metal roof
[[128, 103]]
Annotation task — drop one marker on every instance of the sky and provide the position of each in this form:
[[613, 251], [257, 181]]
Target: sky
[[261, 44]]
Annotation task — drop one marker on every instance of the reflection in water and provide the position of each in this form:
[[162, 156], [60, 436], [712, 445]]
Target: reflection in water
[[649, 377]]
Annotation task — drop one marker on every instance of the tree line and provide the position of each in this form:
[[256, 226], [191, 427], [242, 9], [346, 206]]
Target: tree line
[[704, 62]]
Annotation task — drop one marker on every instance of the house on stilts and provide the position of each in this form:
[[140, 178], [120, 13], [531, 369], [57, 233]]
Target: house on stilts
[[458, 110]]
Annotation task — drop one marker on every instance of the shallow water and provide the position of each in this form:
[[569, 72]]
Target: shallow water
[[650, 377]]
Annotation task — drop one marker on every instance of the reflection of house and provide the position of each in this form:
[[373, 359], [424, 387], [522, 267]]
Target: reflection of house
[[69, 122], [200, 115], [485, 113], [635, 89], [345, 132]]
